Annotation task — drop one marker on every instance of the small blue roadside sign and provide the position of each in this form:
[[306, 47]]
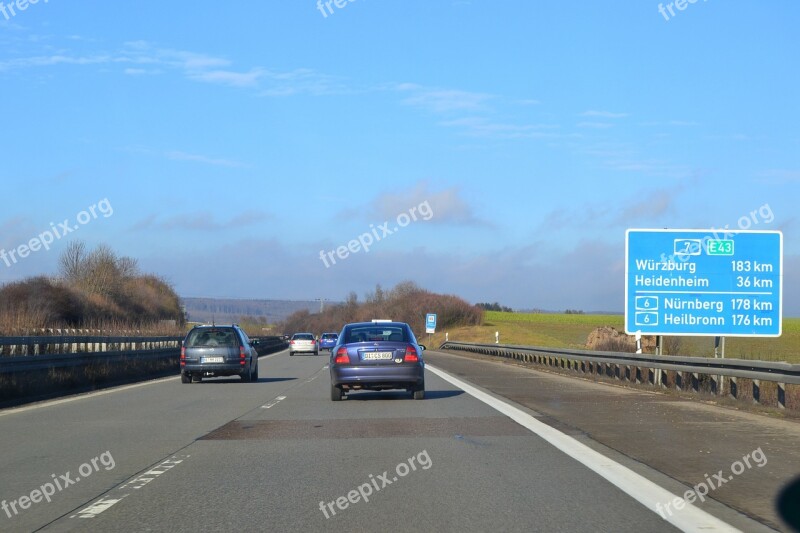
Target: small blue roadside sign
[[430, 323], [716, 283]]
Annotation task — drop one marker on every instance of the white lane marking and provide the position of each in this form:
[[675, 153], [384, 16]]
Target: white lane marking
[[53, 403], [274, 402], [641, 489], [104, 504], [312, 378], [96, 508]]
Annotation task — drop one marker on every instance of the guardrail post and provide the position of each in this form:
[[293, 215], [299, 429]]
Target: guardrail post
[[664, 378], [695, 381], [678, 380], [756, 391], [781, 395], [734, 388]]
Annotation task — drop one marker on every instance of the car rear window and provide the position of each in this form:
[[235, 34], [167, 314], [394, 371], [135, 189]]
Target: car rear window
[[210, 338], [303, 337], [329, 335], [377, 334]]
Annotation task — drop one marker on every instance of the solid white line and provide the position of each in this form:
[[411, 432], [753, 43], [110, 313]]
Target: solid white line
[[53, 403], [641, 489]]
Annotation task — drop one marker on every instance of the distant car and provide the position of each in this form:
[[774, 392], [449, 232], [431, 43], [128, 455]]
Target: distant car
[[328, 341], [377, 355], [303, 343], [210, 351]]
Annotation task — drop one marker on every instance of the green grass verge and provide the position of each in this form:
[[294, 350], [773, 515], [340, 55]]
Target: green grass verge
[[571, 331]]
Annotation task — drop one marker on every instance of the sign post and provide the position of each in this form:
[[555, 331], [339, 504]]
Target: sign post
[[694, 282], [430, 325]]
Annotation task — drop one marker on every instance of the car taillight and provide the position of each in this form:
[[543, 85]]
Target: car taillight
[[411, 355], [183, 355], [341, 357], [241, 355], [291, 341]]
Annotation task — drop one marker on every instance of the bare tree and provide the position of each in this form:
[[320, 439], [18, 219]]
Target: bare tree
[[128, 267], [72, 261]]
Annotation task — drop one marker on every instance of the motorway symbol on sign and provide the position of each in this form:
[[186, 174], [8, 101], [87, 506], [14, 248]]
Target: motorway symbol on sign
[[692, 282]]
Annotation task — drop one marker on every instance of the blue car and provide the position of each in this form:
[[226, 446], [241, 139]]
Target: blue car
[[377, 355], [328, 341]]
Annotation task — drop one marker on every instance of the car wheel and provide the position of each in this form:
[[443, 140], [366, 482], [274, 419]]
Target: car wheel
[[247, 377], [185, 378], [255, 371], [291, 354], [197, 378], [336, 393], [419, 394]]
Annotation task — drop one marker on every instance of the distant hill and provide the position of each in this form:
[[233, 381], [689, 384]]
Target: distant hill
[[227, 310]]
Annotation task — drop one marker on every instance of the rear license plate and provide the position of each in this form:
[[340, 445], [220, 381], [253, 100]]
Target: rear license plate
[[375, 356], [212, 359]]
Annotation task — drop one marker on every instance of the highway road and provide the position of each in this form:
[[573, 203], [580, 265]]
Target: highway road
[[278, 455]]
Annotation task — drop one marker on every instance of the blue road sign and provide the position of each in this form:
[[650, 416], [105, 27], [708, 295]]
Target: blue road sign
[[703, 282], [430, 323]]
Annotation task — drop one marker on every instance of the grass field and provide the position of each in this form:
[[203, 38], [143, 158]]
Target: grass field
[[571, 331]]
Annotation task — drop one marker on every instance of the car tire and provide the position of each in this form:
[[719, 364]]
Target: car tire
[[255, 372], [419, 394], [336, 393], [197, 378], [185, 378], [291, 354], [247, 377]]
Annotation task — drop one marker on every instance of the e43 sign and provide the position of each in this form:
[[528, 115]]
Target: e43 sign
[[697, 282]]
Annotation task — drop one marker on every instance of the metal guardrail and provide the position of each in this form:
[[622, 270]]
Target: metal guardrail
[[628, 366], [98, 350], [267, 344], [70, 344], [12, 365]]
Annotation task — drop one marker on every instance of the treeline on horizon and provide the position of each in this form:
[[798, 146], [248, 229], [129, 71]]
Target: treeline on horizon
[[406, 302], [93, 289]]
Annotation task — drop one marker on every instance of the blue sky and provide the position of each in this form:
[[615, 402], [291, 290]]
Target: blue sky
[[236, 141]]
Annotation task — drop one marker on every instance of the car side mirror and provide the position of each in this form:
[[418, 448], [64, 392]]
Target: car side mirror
[[423, 347], [254, 342]]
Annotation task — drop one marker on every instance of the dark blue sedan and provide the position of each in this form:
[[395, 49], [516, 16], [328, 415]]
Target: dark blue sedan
[[328, 341], [377, 355]]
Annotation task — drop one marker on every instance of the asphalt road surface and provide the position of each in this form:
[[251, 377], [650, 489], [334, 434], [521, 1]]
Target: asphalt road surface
[[278, 455]]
